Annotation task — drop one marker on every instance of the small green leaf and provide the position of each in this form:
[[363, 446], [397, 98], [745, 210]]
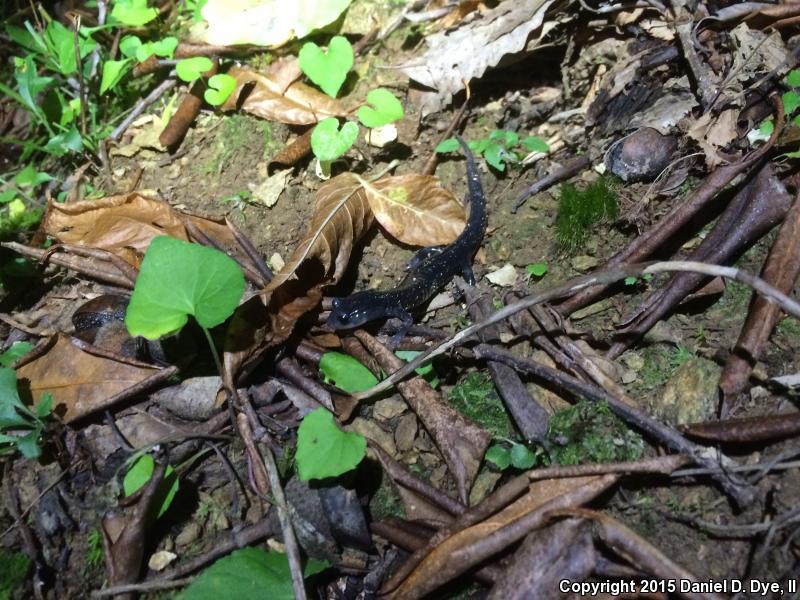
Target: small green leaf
[[793, 78], [113, 72], [324, 450], [499, 456], [535, 144], [387, 109], [425, 371], [766, 128], [129, 44], [327, 69], [133, 13], [495, 155], [144, 52], [329, 142], [10, 403], [536, 269], [220, 87], [14, 353], [44, 407], [448, 145], [791, 100], [522, 457], [507, 139], [165, 48], [190, 69], [248, 574], [30, 177], [139, 474], [178, 279], [8, 195], [346, 373], [63, 143], [630, 280], [28, 444]]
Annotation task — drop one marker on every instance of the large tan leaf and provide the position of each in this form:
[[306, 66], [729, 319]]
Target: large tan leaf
[[341, 217], [416, 209], [80, 382], [297, 104], [124, 224]]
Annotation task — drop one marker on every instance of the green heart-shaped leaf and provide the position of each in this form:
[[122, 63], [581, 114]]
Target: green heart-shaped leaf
[[129, 45], [133, 13], [387, 109], [219, 88], [324, 450], [139, 474], [166, 47], [190, 69], [178, 279], [329, 142], [113, 71], [327, 69], [346, 373]]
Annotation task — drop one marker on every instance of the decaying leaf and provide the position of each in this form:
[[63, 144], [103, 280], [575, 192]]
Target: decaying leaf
[[459, 55], [269, 23], [81, 383], [269, 98], [124, 224], [415, 209], [477, 543]]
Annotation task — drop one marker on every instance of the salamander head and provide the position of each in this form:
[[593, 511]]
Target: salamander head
[[353, 311]]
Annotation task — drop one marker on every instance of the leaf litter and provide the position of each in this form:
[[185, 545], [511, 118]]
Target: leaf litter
[[691, 106]]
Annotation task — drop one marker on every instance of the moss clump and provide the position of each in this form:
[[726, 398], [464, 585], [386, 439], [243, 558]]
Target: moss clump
[[580, 210], [660, 362], [476, 399], [13, 574], [590, 433]]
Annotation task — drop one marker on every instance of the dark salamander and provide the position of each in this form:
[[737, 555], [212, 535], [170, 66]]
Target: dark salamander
[[430, 270]]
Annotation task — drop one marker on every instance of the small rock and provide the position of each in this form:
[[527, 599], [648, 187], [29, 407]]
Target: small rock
[[691, 394], [438, 475], [757, 392], [632, 360], [483, 485], [371, 430], [381, 136], [161, 559], [504, 277], [389, 408], [584, 263], [405, 432], [641, 156], [627, 375], [188, 535]]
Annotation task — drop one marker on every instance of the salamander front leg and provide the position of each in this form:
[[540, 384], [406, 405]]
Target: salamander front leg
[[422, 255], [407, 322], [466, 272]]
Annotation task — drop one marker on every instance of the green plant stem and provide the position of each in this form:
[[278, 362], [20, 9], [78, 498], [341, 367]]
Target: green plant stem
[[214, 352]]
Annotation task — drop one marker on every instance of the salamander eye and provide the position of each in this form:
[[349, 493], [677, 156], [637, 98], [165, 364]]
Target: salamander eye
[[337, 302]]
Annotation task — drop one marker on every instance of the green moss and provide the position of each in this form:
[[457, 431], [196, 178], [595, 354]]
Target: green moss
[[476, 399], [386, 502], [590, 432], [789, 328], [13, 574], [580, 210], [660, 362]]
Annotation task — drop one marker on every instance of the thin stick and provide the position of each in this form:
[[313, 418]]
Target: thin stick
[[787, 304]]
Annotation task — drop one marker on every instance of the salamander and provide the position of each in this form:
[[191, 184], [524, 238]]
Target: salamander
[[429, 270]]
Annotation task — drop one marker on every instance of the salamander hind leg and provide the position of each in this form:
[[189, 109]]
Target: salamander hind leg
[[422, 255]]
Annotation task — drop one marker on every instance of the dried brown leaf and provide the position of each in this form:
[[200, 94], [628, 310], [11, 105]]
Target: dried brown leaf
[[341, 216], [416, 209], [124, 224], [297, 104], [475, 544], [80, 382]]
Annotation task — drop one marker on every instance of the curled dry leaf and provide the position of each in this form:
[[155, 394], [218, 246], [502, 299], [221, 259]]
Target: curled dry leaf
[[124, 224], [477, 543], [416, 209], [297, 104], [341, 216], [80, 382]]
